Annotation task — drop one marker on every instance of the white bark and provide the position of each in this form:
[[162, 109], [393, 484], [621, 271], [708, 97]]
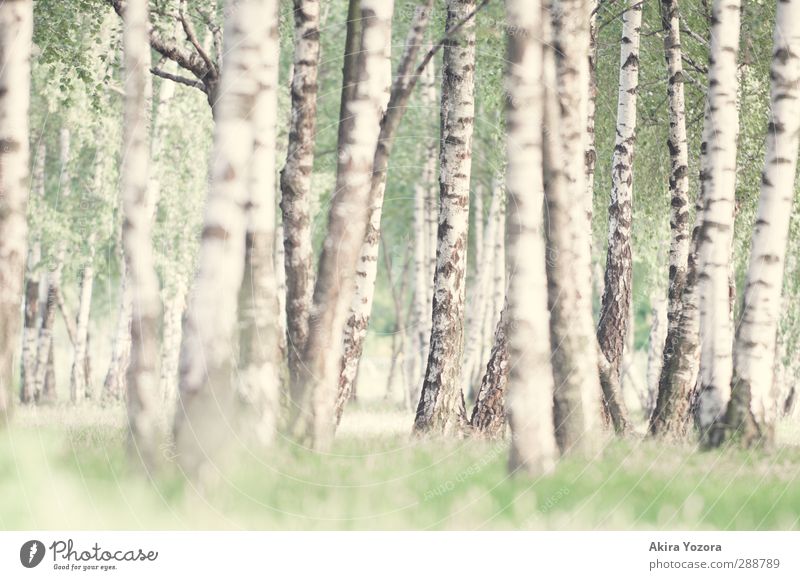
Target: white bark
[[16, 23], [347, 224], [655, 353], [142, 377], [441, 404], [574, 356], [714, 243], [33, 290], [754, 406], [79, 382], [205, 389], [614, 321], [259, 342], [530, 383]]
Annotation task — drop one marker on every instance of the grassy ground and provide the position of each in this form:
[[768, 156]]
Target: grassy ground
[[59, 469]]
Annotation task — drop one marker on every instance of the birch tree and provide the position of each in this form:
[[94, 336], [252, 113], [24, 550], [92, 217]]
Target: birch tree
[[79, 381], [489, 413], [755, 406], [205, 389], [295, 180], [716, 234], [614, 312], [33, 278], [441, 404], [347, 225], [16, 25], [259, 341], [142, 375], [574, 346], [530, 381]]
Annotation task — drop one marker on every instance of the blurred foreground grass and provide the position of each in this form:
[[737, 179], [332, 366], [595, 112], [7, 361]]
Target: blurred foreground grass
[[64, 469]]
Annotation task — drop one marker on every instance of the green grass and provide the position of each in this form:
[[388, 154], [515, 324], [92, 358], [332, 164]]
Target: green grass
[[61, 469]]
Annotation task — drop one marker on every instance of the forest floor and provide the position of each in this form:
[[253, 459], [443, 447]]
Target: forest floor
[[60, 469]]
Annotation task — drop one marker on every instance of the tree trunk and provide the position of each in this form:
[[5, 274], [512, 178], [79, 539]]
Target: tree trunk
[[206, 396], [714, 242], [590, 156], [530, 381], [574, 356], [174, 307], [655, 353], [295, 180], [483, 301], [347, 225], [16, 22], [614, 312], [114, 383], [355, 331], [678, 379], [259, 342], [79, 381], [32, 297], [754, 406], [489, 413], [142, 376], [496, 293], [441, 405]]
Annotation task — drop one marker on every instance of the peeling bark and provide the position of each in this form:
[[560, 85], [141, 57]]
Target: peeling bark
[[441, 404], [614, 313], [295, 179]]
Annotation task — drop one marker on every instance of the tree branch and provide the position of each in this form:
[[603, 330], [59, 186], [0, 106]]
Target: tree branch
[[179, 79], [188, 28]]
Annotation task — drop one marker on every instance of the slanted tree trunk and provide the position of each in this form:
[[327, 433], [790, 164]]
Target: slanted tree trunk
[[754, 406], [714, 243], [347, 225], [355, 331], [614, 313], [79, 381], [259, 342], [530, 381], [489, 413], [33, 277], [142, 376], [205, 389], [295, 181], [441, 404], [574, 346], [16, 22]]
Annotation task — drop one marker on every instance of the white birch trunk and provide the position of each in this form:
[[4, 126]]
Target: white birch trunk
[[205, 387], [16, 23], [347, 225], [431, 103], [259, 342], [441, 405], [530, 383], [655, 353], [142, 376], [574, 350], [714, 243], [754, 406], [295, 181], [33, 291], [79, 382], [615, 310], [174, 307]]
